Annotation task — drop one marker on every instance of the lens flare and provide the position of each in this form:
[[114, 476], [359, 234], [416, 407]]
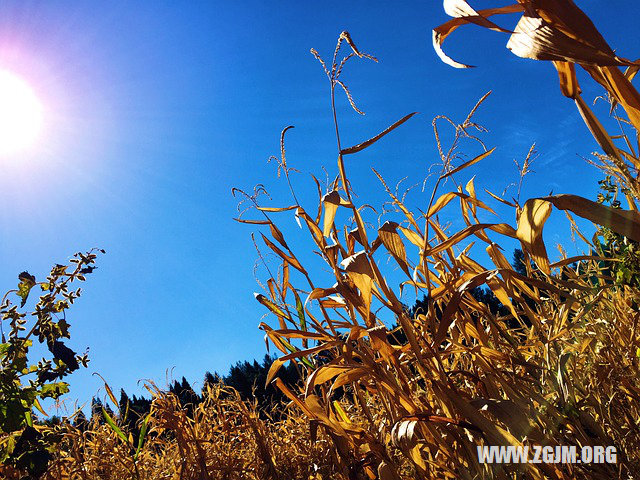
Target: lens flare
[[20, 114]]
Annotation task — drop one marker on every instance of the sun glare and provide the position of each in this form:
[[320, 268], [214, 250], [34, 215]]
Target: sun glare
[[20, 114]]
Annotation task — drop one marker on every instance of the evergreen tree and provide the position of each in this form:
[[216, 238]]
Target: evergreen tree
[[210, 379], [124, 402], [139, 408], [519, 262], [186, 395], [96, 408]]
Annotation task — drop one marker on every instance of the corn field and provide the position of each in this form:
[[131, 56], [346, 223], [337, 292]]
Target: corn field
[[391, 394]]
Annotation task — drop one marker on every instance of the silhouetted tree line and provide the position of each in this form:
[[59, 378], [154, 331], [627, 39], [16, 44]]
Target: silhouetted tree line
[[249, 378]]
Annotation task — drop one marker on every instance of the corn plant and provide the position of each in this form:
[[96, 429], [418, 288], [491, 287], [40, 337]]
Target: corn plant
[[465, 376], [394, 393]]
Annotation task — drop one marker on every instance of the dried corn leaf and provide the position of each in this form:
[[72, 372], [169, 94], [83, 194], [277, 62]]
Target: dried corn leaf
[[501, 200], [314, 405], [568, 81], [534, 213], [470, 187], [277, 209], [562, 33], [359, 271], [380, 342], [273, 370], [253, 222], [342, 415], [403, 434], [291, 396], [621, 89], [387, 472], [362, 231], [480, 18], [624, 222], [538, 39], [504, 229], [459, 236], [291, 260], [277, 235], [345, 374], [349, 376], [289, 333], [371, 141], [469, 163], [596, 128], [331, 202], [390, 238], [412, 236], [454, 302], [495, 434], [311, 225], [444, 200], [508, 412], [270, 305], [320, 293]]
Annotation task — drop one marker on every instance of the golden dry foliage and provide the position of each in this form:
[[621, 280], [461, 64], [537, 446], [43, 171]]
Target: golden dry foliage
[[465, 376], [558, 31], [224, 438], [557, 367]]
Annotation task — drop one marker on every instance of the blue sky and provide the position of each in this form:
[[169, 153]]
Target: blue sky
[[155, 110]]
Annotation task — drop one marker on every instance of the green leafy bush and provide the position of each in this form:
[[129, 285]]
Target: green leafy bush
[[625, 266], [25, 445]]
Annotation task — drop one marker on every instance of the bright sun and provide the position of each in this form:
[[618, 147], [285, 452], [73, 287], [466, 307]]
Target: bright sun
[[20, 114]]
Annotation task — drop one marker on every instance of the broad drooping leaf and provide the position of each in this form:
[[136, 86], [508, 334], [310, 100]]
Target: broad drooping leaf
[[548, 30], [536, 211], [359, 270], [553, 30], [463, 13], [390, 238], [570, 38], [532, 218], [331, 202]]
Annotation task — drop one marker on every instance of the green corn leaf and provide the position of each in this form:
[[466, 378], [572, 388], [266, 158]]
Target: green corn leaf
[[143, 433], [114, 427], [294, 349], [300, 308], [270, 305]]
